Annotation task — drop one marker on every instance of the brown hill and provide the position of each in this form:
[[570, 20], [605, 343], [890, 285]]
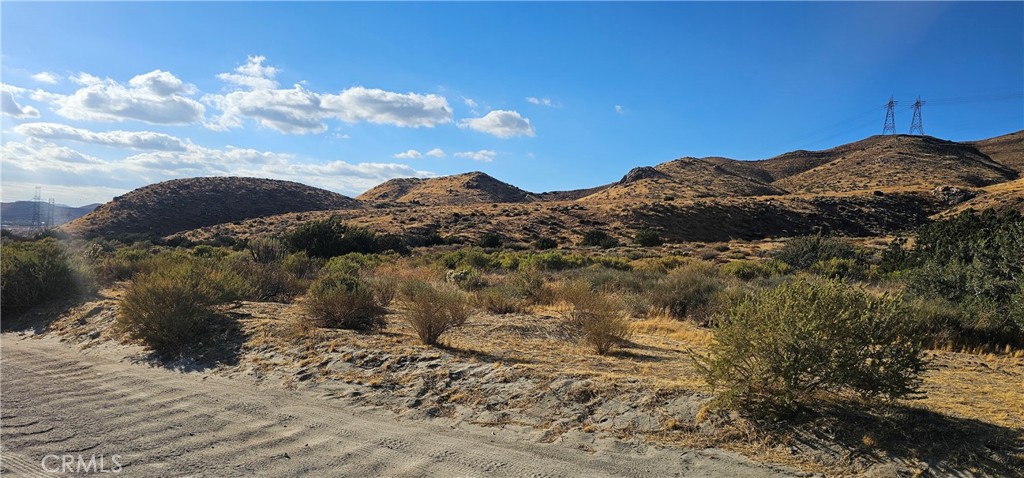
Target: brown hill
[[1007, 150], [684, 178], [182, 204], [1008, 195], [459, 189], [889, 161]]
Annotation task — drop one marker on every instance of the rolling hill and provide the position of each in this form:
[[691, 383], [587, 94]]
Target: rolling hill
[[182, 204], [460, 189]]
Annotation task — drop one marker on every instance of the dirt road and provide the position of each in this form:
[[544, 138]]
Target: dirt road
[[58, 400]]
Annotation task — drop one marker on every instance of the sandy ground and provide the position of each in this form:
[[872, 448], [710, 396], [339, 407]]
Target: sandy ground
[[58, 400]]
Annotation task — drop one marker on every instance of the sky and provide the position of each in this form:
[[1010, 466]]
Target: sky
[[101, 98]]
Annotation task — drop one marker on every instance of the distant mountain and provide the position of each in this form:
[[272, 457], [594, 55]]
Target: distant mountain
[[1007, 150], [182, 204], [459, 189], [20, 213]]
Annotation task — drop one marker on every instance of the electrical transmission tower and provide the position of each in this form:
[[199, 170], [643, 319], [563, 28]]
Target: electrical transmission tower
[[49, 214], [37, 207], [916, 124], [890, 117]]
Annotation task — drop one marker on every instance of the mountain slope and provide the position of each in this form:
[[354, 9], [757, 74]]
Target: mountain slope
[[459, 189], [1007, 150], [684, 178], [894, 161], [182, 204]]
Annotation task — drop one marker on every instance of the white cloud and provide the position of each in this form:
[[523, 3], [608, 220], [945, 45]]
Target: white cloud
[[156, 97], [46, 77], [485, 155], [500, 123], [252, 75], [40, 162], [9, 105], [619, 109], [436, 153], [385, 107], [142, 140], [469, 102], [410, 154], [299, 110], [541, 101]]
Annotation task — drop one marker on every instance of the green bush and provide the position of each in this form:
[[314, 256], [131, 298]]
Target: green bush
[[266, 250], [803, 252], [598, 238], [330, 237], [343, 301], [169, 309], [433, 309], [781, 346], [974, 260], [842, 269], [268, 281], [302, 266], [545, 243], [501, 299], [747, 270], [648, 238], [687, 291], [490, 239], [32, 272]]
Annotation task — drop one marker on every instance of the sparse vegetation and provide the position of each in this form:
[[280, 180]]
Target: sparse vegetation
[[598, 316]]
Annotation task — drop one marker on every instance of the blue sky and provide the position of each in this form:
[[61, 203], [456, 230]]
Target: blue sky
[[105, 97]]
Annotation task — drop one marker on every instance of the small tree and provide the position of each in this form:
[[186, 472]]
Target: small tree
[[599, 238]]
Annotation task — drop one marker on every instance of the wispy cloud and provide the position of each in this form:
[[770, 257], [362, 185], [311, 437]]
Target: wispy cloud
[[542, 101], [484, 155]]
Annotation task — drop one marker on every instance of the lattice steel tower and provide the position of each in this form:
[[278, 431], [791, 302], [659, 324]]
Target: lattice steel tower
[[890, 117], [915, 123], [37, 202]]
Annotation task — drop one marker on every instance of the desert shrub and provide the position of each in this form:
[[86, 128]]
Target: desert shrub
[[467, 278], [687, 292], [343, 301], [598, 238], [648, 238], [32, 272], [433, 309], [169, 308], [210, 252], [266, 250], [467, 257], [300, 265], [500, 299], [123, 264], [330, 237], [552, 261], [598, 315], [268, 281], [803, 252], [842, 269], [974, 260], [531, 285], [353, 263], [749, 270], [781, 346], [490, 239], [661, 264], [384, 288], [545, 243]]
